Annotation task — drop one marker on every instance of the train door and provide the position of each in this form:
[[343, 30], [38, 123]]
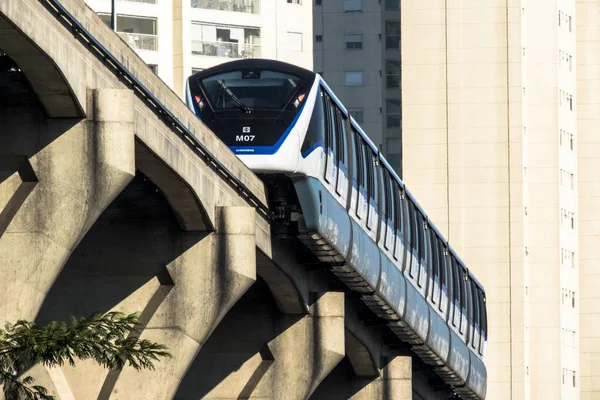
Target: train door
[[362, 203], [474, 316], [400, 229], [456, 294], [424, 253], [341, 188], [372, 192], [433, 292], [413, 267], [331, 163], [353, 160], [388, 210], [464, 302], [444, 279], [483, 320]]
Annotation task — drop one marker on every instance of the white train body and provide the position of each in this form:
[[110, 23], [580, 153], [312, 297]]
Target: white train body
[[354, 212]]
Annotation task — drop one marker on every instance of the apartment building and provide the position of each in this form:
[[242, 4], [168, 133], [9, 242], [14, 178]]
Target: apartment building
[[179, 37], [356, 49], [490, 147]]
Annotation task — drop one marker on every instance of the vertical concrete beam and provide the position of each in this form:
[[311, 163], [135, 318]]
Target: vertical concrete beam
[[208, 279], [394, 382], [80, 166], [307, 352]]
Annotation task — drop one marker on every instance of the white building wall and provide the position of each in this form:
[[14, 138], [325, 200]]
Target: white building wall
[[175, 33]]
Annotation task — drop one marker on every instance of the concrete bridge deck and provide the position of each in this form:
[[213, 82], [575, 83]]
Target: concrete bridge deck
[[106, 204]]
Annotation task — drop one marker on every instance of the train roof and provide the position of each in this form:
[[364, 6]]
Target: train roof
[[256, 63]]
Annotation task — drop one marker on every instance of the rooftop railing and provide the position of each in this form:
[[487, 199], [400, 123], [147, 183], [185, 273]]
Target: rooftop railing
[[140, 41]]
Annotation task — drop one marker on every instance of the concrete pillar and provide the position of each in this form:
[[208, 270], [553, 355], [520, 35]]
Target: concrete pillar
[[208, 280], [259, 353], [80, 166], [136, 258], [394, 382]]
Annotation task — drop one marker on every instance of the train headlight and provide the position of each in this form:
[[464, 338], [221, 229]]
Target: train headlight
[[199, 102]]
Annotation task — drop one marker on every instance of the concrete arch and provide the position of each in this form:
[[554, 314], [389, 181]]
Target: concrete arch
[[45, 77]]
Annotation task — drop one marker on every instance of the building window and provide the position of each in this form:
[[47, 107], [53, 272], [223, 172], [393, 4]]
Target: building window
[[294, 1], [318, 38], [394, 152], [317, 2], [357, 114], [138, 32], [225, 41], [153, 68], [352, 5], [392, 74], [394, 112], [353, 41], [353, 78], [392, 35], [392, 5], [294, 41]]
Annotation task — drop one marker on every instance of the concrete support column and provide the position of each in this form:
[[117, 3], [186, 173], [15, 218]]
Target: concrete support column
[[80, 166], [208, 279], [393, 382], [306, 352], [259, 353]]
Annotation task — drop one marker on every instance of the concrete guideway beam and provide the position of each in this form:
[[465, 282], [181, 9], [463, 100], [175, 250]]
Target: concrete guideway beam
[[80, 166]]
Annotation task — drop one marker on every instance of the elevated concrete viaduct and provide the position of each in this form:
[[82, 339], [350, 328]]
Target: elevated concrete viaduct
[[106, 205]]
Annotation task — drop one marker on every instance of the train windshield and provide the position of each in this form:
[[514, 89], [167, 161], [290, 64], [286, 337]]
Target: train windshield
[[247, 90]]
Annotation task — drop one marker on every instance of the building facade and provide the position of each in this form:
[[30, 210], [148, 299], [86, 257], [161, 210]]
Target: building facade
[[356, 49], [490, 144], [178, 37]]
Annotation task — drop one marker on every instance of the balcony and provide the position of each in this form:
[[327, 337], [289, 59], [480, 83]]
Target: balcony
[[244, 6], [225, 49], [140, 41]]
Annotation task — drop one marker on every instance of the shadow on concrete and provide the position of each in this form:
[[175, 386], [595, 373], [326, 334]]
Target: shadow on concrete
[[248, 327], [341, 384], [130, 244]]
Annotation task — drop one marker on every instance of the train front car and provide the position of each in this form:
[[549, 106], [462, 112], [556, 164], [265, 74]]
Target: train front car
[[256, 107]]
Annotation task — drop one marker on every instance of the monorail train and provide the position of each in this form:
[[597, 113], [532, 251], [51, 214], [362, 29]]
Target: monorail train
[[335, 191]]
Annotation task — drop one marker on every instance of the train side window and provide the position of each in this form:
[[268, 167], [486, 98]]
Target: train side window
[[455, 293], [330, 142], [443, 272], [341, 132], [422, 245], [414, 234], [391, 210], [463, 297], [353, 152], [476, 318], [435, 275], [483, 314]]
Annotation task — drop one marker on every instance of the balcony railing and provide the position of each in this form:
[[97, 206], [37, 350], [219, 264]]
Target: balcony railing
[[245, 6], [140, 41], [225, 49]]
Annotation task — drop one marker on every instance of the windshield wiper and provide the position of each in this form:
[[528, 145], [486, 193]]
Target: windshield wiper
[[234, 98]]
